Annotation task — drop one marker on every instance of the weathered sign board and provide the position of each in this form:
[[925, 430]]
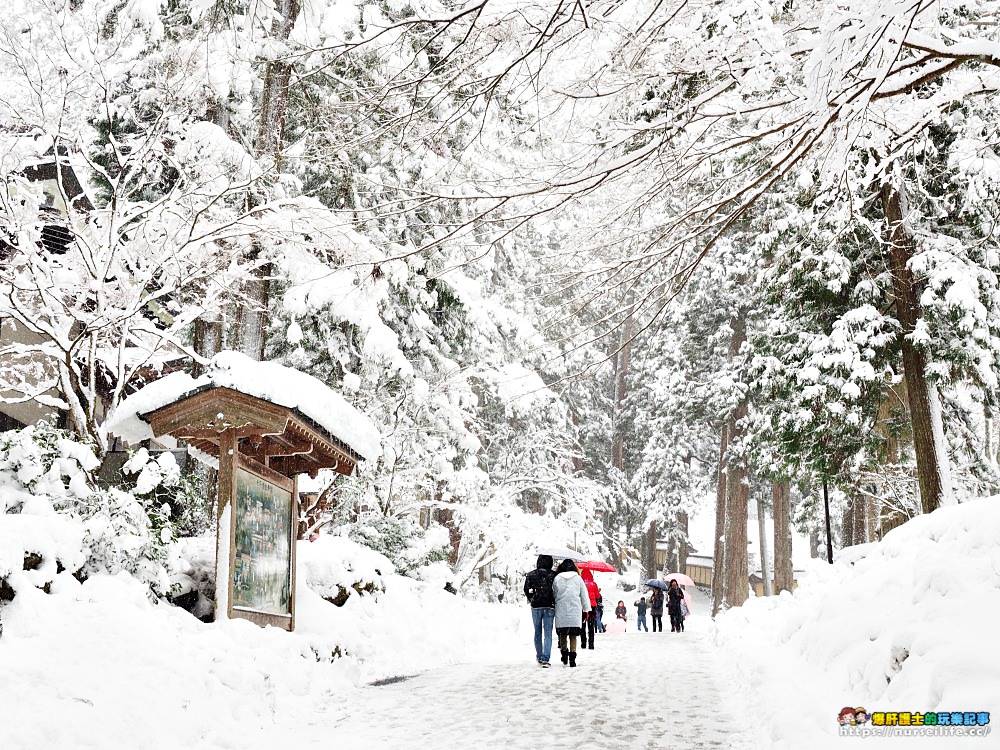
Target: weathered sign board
[[261, 448]]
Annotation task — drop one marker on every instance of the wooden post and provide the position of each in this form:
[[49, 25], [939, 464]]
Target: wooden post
[[224, 528], [293, 542]]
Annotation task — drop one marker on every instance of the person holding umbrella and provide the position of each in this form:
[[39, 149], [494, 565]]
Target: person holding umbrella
[[656, 609], [572, 601], [675, 598], [656, 601]]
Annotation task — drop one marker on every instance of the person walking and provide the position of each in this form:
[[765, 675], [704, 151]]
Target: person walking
[[589, 626], [572, 601], [538, 590], [675, 598], [656, 609], [640, 620], [600, 615]]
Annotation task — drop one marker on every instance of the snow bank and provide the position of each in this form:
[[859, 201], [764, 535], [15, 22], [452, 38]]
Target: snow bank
[[99, 665], [56, 539], [907, 624], [333, 565], [266, 380]]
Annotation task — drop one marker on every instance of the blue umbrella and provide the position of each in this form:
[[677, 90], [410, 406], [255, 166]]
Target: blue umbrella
[[657, 584]]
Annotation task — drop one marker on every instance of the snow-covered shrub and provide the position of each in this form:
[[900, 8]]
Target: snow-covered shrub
[[157, 480], [334, 566], [45, 471], [403, 541], [39, 462], [193, 576], [123, 535]]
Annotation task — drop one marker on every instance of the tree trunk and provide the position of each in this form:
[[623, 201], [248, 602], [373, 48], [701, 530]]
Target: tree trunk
[[871, 518], [847, 523], [718, 552], [252, 315], [207, 338], [274, 97], [783, 573], [649, 552], [814, 543], [855, 526], [737, 500], [209, 328], [736, 564], [446, 517], [679, 563], [610, 543], [859, 532], [622, 361], [925, 407], [765, 569]]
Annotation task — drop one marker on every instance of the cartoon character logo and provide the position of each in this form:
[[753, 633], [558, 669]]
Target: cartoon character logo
[[860, 715], [846, 716]]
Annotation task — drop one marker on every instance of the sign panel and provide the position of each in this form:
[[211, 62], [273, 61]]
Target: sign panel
[[262, 547]]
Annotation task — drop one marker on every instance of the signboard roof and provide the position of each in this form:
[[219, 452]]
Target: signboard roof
[[286, 406]]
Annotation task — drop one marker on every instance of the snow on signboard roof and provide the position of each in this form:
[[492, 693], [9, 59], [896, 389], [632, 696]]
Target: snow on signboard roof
[[267, 380]]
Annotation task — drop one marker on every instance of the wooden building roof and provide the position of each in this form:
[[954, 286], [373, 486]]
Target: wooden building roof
[[277, 437]]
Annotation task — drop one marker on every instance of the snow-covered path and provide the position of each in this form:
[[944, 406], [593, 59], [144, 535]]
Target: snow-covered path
[[633, 691]]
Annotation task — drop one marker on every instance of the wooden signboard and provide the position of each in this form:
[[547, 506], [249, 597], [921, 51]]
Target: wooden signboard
[[261, 448], [262, 547]]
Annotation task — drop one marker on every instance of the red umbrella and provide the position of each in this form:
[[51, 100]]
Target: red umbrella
[[596, 566]]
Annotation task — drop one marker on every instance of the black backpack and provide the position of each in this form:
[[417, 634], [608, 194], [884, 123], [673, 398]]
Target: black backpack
[[538, 588]]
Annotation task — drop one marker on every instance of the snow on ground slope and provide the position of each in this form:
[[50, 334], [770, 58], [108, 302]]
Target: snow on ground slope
[[908, 624], [97, 666]]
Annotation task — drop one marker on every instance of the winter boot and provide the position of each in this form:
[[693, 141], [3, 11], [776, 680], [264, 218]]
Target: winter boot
[[565, 656], [572, 658]]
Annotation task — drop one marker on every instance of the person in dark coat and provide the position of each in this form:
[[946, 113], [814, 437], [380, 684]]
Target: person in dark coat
[[538, 590], [675, 597], [656, 609], [640, 620], [589, 626]]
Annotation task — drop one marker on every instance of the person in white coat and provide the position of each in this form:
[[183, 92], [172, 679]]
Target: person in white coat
[[572, 600]]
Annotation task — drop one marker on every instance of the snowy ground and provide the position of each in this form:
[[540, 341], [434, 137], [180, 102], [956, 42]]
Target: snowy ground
[[633, 691], [908, 624], [905, 625], [98, 667]]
